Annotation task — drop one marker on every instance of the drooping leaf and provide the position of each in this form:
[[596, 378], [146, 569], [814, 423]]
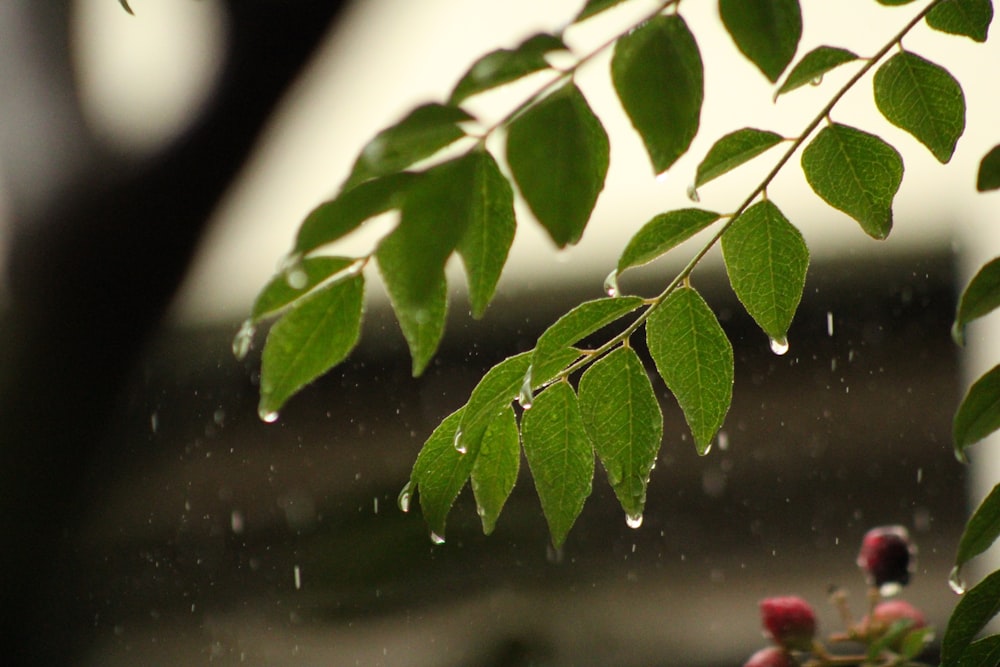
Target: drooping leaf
[[495, 470], [662, 233], [766, 259], [560, 457], [623, 419], [981, 297], [695, 359], [923, 99], [558, 154], [984, 652], [970, 18], [982, 529], [440, 472], [814, 65], [435, 214], [423, 132], [594, 7], [581, 321], [333, 219], [766, 31], [989, 171], [316, 334], [279, 293], [979, 413], [489, 233], [974, 610], [506, 65], [658, 76], [855, 172], [733, 150]]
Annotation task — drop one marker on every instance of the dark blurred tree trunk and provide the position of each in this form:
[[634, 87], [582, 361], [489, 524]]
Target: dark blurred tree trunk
[[91, 272]]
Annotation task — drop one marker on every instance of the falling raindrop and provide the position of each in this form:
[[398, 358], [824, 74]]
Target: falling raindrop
[[297, 574], [829, 323], [955, 581], [436, 539], [692, 193], [154, 421], [526, 397], [779, 345], [236, 522], [889, 589], [633, 520], [723, 440], [404, 497], [611, 284], [458, 443], [267, 416], [244, 339]]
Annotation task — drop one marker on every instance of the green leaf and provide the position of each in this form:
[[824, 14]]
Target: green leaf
[[595, 7], [733, 150], [435, 215], [583, 320], [855, 172], [766, 31], [970, 18], [623, 419], [491, 397], [979, 413], [307, 275], [333, 219], [423, 132], [894, 2], [982, 530], [981, 297], [558, 153], [814, 65], [124, 4], [560, 457], [489, 231], [316, 334], [915, 641], [974, 610], [659, 78], [989, 171], [695, 359], [982, 653], [440, 472], [662, 233], [506, 65], [923, 99], [766, 258], [495, 470]]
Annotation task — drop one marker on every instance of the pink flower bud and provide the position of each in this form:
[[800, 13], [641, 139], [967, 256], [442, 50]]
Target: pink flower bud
[[887, 556], [790, 621], [772, 656]]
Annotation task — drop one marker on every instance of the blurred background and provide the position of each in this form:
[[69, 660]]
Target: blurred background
[[155, 168]]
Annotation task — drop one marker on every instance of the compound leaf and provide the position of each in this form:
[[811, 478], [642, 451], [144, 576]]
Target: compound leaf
[[440, 472], [923, 99], [307, 274], [733, 150], [855, 172], [659, 78], [558, 154], [423, 132], [662, 233], [766, 259], [970, 18], [316, 334], [489, 231], [623, 418], [980, 298], [989, 171], [695, 359], [982, 529], [814, 65], [766, 31], [560, 457], [506, 65], [495, 471], [979, 413], [974, 610]]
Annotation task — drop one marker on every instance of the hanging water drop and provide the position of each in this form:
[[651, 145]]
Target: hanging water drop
[[267, 416], [404, 497], [295, 274], [458, 443], [526, 397], [889, 589], [779, 345], [692, 193], [436, 539], [955, 581], [611, 284], [244, 339], [816, 80], [706, 451], [662, 177], [633, 520]]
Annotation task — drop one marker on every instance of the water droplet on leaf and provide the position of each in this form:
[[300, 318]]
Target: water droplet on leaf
[[244, 339], [526, 397], [436, 539], [611, 284], [955, 581], [779, 346], [405, 494], [458, 443], [268, 417], [816, 80], [662, 177], [633, 520], [692, 193]]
